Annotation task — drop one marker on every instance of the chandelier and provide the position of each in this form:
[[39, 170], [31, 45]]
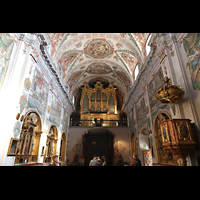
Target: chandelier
[[169, 93]]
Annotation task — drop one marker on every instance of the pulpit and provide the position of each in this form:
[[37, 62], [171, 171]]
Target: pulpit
[[178, 138]]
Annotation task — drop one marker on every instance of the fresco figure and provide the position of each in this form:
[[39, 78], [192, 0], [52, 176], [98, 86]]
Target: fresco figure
[[6, 46], [192, 47]]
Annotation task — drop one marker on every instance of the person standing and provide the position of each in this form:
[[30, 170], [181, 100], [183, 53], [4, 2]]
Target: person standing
[[99, 162], [103, 159], [93, 162], [135, 161]]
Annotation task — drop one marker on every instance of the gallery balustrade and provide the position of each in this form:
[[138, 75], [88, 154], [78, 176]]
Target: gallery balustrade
[[100, 123]]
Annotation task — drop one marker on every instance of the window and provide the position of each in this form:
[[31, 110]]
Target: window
[[136, 71], [148, 48]]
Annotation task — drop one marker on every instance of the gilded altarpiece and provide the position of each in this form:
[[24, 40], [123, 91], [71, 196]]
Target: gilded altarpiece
[[98, 103]]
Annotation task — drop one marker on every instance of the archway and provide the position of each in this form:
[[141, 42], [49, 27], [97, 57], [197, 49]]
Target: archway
[[98, 142], [162, 156], [28, 146], [62, 148], [144, 147], [51, 144]]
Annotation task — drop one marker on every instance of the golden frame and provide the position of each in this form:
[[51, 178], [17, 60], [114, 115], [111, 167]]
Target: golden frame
[[110, 114], [12, 150], [165, 138]]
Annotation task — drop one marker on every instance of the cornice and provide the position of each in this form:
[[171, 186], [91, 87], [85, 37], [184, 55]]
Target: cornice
[[47, 59], [147, 64]]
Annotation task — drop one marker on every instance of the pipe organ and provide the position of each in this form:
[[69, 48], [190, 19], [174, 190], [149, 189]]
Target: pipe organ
[[98, 103]]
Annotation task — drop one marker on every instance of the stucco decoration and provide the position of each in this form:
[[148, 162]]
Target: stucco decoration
[[98, 68], [98, 48], [77, 53]]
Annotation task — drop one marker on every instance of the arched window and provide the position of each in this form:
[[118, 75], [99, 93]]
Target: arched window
[[147, 47], [136, 71]]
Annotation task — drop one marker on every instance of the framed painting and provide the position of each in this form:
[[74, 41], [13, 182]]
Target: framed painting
[[13, 147]]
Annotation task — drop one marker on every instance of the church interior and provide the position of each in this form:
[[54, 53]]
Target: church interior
[[75, 95]]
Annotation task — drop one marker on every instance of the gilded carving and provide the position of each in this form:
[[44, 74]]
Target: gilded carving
[[98, 102], [169, 93]]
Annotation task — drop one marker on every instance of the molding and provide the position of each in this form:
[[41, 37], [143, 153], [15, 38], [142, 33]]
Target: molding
[[148, 62], [28, 39], [46, 57]]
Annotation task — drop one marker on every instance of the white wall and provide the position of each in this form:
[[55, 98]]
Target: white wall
[[174, 64], [21, 67]]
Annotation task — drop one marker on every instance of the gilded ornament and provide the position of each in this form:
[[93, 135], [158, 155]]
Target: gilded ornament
[[48, 109], [169, 93], [178, 138], [18, 116], [33, 117], [22, 117], [27, 83]]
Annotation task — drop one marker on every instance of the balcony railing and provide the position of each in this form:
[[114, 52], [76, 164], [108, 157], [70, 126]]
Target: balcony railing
[[112, 123]]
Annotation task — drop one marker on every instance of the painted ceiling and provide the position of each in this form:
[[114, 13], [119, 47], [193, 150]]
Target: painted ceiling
[[82, 57]]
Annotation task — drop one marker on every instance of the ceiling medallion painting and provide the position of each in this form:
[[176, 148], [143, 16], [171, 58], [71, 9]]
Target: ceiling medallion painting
[[98, 48], [98, 68]]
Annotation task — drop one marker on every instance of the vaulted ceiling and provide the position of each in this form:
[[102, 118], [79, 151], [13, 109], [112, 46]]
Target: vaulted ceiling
[[83, 57]]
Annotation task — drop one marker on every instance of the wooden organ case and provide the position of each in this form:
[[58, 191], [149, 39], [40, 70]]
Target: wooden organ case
[[98, 104]]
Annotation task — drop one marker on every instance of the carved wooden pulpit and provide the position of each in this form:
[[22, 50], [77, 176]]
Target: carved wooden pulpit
[[178, 138]]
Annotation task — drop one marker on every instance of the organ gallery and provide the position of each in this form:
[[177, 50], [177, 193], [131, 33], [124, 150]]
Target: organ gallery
[[99, 103]]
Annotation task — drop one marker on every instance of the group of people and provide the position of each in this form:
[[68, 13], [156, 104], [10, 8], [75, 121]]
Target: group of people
[[96, 161], [134, 162]]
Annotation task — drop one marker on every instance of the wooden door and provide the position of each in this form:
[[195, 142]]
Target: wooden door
[[100, 145]]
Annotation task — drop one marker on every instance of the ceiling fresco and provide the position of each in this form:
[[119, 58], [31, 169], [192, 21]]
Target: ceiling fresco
[[82, 57]]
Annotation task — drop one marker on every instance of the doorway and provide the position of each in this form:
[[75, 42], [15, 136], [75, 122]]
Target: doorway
[[144, 146], [98, 142]]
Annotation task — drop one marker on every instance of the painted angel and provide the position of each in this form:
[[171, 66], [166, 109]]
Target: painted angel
[[195, 59]]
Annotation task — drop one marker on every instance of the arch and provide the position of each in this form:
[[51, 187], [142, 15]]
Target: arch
[[144, 146], [28, 146], [162, 156], [147, 47], [39, 121], [75, 119]]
